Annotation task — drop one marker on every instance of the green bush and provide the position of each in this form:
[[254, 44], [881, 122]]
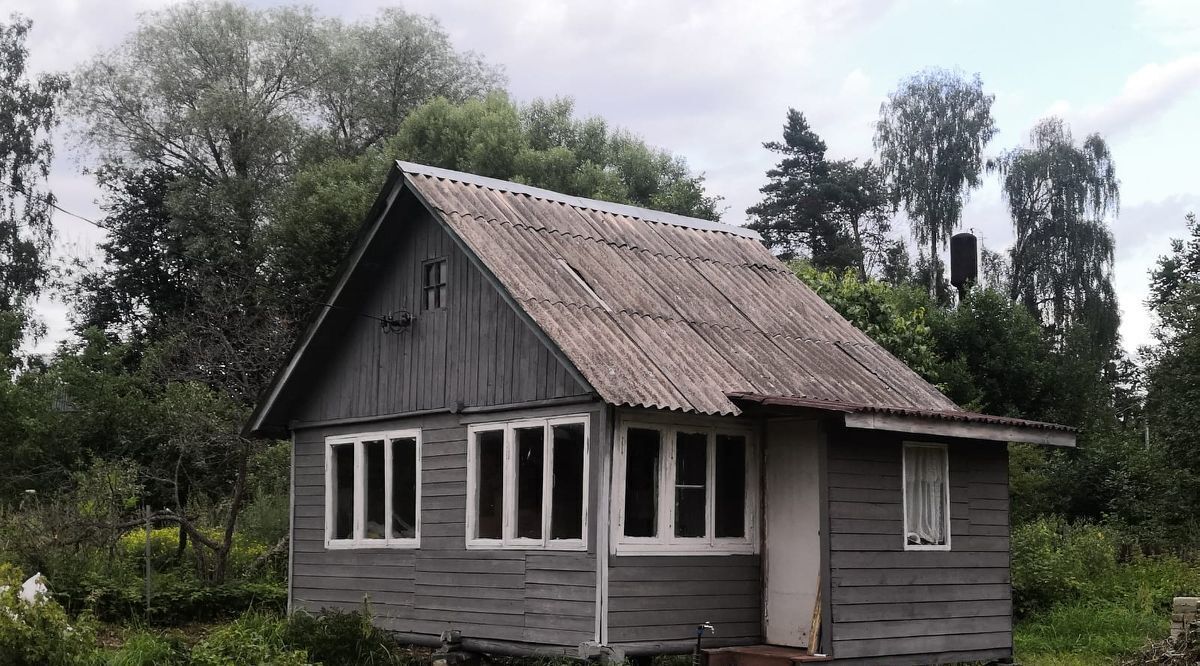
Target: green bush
[[1055, 561], [177, 599], [148, 649], [253, 639], [336, 637], [39, 633]]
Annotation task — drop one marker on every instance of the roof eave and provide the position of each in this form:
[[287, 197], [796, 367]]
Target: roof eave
[[919, 425]]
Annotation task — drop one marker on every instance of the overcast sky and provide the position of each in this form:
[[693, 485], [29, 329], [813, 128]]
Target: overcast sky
[[711, 80]]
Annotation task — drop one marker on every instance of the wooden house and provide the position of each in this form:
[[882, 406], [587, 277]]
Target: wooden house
[[556, 424]]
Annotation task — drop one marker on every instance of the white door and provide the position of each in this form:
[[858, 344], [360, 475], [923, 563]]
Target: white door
[[792, 549]]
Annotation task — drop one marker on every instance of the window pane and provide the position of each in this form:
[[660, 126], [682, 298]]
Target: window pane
[[642, 455], [489, 482], [374, 502], [566, 507], [730, 482], [925, 492], [691, 478], [342, 502], [404, 489], [531, 453]]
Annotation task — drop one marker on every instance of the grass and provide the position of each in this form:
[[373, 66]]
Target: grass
[[1114, 616], [1089, 633]]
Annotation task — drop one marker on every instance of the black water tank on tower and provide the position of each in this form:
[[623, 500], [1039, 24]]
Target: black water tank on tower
[[964, 260]]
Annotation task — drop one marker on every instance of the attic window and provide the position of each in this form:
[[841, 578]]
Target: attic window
[[434, 284]]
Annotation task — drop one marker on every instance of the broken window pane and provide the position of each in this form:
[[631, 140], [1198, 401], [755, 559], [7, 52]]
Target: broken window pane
[[342, 502], [642, 456], [404, 489], [566, 507], [489, 484], [730, 490], [374, 496], [531, 453], [691, 481]]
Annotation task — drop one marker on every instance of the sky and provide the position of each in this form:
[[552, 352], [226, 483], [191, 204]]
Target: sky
[[711, 80]]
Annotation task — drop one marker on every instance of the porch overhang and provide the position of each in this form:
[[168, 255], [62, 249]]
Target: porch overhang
[[944, 423]]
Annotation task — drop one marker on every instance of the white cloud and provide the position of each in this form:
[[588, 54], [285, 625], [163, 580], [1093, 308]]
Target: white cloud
[[1147, 94]]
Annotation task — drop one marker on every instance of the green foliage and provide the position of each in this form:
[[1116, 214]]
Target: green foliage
[[835, 214], [993, 356], [27, 117], [38, 633], [930, 137], [541, 144], [1054, 561], [892, 316], [336, 637], [252, 639], [1117, 610], [144, 648], [1060, 196], [1084, 634]]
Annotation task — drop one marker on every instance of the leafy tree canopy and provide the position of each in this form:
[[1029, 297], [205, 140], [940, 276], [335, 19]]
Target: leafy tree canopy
[[27, 115], [930, 138]]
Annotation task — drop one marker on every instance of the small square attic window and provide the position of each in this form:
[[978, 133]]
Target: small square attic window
[[434, 284]]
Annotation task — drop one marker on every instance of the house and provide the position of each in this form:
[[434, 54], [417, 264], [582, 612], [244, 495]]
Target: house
[[548, 422]]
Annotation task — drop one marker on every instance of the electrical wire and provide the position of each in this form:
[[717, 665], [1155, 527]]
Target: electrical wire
[[388, 322]]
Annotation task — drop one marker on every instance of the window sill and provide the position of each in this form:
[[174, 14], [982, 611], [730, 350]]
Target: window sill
[[368, 544], [569, 546], [683, 550], [914, 547]]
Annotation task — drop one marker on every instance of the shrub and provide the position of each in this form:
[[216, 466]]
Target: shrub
[[176, 599], [39, 633], [148, 649], [254, 638], [337, 637], [1055, 561]]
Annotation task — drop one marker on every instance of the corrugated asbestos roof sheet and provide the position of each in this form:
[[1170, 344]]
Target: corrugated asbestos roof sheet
[[663, 311], [939, 415]]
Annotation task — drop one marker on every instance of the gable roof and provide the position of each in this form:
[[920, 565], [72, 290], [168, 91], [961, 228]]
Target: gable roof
[[659, 310], [664, 311]]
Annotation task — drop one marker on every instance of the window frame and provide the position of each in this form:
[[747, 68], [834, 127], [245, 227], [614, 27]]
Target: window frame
[[904, 495], [508, 539], [358, 440], [666, 543], [442, 287]]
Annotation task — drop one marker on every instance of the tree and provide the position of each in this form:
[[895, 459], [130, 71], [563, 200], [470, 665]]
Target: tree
[[836, 214], [27, 115], [862, 207], [1173, 364], [541, 144], [1060, 197], [930, 138]]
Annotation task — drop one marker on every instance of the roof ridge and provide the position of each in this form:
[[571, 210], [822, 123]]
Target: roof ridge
[[604, 241], [647, 214]]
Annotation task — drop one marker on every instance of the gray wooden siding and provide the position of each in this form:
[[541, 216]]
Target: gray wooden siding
[[898, 607], [476, 351], [664, 597], [533, 596]]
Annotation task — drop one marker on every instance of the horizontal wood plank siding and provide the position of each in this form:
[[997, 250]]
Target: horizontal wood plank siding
[[476, 351], [527, 596], [894, 606], [663, 598]]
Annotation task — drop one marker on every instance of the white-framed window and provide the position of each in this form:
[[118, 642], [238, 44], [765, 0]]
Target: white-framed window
[[682, 489], [527, 484], [373, 490], [926, 479]]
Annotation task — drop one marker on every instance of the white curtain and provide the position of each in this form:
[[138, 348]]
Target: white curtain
[[925, 488]]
